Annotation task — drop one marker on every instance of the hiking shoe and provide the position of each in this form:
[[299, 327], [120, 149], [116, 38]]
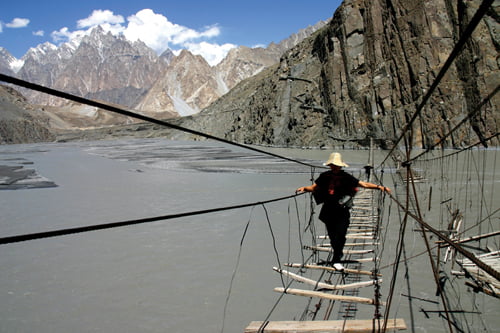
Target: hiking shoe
[[338, 266]]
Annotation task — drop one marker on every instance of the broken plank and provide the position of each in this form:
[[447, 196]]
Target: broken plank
[[319, 294], [322, 285]]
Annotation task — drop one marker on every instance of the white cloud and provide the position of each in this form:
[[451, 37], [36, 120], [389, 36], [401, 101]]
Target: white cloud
[[18, 23], [186, 35], [259, 45], [155, 30], [99, 17], [64, 35], [104, 18], [40, 33], [213, 53]]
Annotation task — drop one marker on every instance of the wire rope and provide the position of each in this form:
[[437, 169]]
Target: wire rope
[[226, 303], [76, 230], [123, 112]]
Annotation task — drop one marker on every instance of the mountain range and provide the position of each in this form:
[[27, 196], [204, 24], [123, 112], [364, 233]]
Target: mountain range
[[357, 78], [110, 68]]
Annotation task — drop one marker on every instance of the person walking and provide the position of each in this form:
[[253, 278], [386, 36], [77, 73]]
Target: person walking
[[335, 189]]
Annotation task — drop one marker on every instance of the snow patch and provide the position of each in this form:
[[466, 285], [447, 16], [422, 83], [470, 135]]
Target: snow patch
[[182, 108], [222, 87], [16, 64], [88, 111]]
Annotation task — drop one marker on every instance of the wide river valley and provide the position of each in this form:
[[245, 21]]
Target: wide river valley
[[174, 275]]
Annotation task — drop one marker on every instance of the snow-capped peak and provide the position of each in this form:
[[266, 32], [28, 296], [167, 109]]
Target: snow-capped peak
[[10, 61]]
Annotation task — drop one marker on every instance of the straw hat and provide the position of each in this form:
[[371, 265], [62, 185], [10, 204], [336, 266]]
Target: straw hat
[[336, 159]]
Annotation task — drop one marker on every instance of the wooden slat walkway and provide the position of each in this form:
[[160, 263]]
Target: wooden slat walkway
[[363, 232], [325, 326]]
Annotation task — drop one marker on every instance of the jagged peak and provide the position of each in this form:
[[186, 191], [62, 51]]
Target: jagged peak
[[42, 49], [97, 30], [187, 55], [167, 56], [9, 61], [5, 52]]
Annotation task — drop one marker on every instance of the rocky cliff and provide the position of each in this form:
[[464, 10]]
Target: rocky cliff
[[199, 87], [19, 121], [362, 77]]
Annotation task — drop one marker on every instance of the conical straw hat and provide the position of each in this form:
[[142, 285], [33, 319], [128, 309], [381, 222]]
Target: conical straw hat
[[336, 159]]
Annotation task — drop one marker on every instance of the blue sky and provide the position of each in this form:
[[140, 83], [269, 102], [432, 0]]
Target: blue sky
[[209, 28]]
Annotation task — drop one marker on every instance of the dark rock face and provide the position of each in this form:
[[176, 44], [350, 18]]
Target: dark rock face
[[17, 124], [364, 75]]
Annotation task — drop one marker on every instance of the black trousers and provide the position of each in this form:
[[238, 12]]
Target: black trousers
[[336, 219]]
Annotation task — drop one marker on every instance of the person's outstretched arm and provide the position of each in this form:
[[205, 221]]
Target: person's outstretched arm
[[374, 186], [310, 188]]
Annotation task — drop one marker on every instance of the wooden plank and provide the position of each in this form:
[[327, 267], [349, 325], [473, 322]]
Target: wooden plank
[[356, 235], [331, 269], [354, 261], [363, 217], [352, 244], [322, 285], [478, 237], [349, 234], [360, 231], [328, 249], [364, 207], [319, 294], [361, 260], [325, 326]]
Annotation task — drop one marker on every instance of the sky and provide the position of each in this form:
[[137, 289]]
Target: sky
[[208, 28]]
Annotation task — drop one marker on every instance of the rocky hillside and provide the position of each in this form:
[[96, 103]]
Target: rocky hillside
[[19, 122], [23, 122], [362, 77], [190, 84]]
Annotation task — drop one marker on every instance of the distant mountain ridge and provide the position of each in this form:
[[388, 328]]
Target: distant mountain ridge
[[112, 69]]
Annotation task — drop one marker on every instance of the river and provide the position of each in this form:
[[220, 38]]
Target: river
[[166, 276]]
